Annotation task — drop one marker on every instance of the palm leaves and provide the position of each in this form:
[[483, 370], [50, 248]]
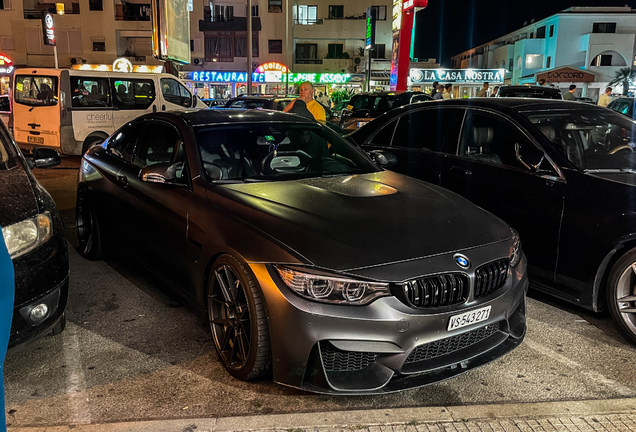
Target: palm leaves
[[623, 76]]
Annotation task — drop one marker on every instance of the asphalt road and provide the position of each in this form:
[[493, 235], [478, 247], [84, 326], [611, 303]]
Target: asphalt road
[[130, 351]]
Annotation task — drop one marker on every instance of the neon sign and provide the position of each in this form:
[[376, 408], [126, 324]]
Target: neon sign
[[272, 67], [418, 76], [268, 77], [6, 64], [228, 77]]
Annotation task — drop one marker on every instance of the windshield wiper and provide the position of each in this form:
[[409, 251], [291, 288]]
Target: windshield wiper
[[611, 171]]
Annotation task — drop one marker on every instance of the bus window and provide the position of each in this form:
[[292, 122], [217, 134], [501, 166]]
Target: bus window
[[35, 90], [174, 92], [90, 92], [133, 93]]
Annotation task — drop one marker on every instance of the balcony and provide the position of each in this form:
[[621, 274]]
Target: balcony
[[323, 28], [35, 10], [132, 12]]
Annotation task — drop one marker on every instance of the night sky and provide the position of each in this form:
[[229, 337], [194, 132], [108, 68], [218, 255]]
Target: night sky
[[447, 27]]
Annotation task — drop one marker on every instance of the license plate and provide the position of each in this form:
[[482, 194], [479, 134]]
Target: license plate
[[468, 318], [360, 124], [35, 139]]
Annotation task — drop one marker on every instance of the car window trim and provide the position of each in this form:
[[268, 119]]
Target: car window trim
[[525, 133]]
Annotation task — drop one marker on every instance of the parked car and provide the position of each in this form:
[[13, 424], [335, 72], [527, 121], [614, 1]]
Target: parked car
[[623, 105], [304, 256], [561, 173], [364, 107], [214, 102], [5, 112], [277, 103], [528, 91], [34, 234], [337, 110]]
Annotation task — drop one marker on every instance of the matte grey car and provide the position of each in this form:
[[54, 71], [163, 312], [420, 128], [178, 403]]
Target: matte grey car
[[306, 258]]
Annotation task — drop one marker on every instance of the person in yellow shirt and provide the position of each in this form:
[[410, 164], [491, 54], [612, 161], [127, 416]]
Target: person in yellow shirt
[[307, 95]]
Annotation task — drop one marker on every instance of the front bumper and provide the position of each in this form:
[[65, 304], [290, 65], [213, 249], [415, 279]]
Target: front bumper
[[385, 346]]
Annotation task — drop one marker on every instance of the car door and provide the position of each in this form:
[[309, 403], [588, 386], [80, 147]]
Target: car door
[[175, 95], [420, 139], [157, 212], [487, 171]]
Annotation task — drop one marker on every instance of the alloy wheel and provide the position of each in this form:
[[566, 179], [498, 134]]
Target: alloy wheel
[[626, 297], [84, 223]]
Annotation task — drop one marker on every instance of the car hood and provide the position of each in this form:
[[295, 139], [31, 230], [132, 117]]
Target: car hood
[[17, 197], [351, 222]]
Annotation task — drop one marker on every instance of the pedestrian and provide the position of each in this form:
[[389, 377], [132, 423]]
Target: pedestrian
[[495, 89], [438, 94], [434, 90], [570, 94], [605, 99], [484, 90], [306, 91], [448, 91], [324, 99]]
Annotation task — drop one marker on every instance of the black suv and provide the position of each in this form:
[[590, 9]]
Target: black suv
[[34, 233], [527, 91], [364, 107]]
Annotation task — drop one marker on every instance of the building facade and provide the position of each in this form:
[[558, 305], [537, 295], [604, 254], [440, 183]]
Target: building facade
[[595, 40]]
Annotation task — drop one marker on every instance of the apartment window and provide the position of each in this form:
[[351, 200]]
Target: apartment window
[[548, 61], [602, 60], [380, 13], [541, 32], [334, 51], [223, 13], [552, 30], [379, 51], [224, 46], [4, 4], [275, 6], [207, 15], [99, 46], [305, 14], [604, 28], [275, 46], [254, 10], [336, 11], [511, 63], [306, 53], [191, 45], [534, 61]]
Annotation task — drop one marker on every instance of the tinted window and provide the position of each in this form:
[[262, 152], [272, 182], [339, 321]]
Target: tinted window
[[133, 93], [385, 135], [158, 143], [176, 93], [90, 92], [430, 129], [492, 139], [122, 143], [35, 90], [5, 105], [236, 104], [277, 151]]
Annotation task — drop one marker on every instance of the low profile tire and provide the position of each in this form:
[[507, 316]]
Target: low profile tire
[[91, 142], [88, 235], [621, 295], [238, 320], [59, 327]]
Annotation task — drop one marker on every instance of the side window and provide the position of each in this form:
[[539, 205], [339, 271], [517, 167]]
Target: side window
[[435, 129], [385, 135], [122, 143], [133, 93], [90, 92], [175, 93], [237, 104], [420, 98], [159, 143], [492, 139]]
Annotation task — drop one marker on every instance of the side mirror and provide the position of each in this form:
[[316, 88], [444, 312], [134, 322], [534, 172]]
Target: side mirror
[[383, 158], [45, 158], [166, 172]]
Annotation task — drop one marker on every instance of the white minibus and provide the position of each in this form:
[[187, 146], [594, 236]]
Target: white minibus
[[72, 110]]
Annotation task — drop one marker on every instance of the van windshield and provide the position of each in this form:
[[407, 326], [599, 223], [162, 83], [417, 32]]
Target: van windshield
[[35, 90]]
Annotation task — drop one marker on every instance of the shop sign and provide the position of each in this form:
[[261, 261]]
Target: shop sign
[[464, 76], [6, 65], [370, 41], [410, 4], [225, 77], [566, 74], [49, 29], [271, 67], [122, 65], [118, 67], [317, 78], [267, 77]]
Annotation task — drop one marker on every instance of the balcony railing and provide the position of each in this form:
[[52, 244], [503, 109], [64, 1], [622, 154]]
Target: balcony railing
[[49, 7], [132, 12]]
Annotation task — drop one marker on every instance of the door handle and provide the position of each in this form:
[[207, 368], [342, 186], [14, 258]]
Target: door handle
[[461, 170], [122, 179]]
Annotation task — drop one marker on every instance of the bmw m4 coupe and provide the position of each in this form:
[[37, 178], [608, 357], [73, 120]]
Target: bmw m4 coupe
[[307, 259]]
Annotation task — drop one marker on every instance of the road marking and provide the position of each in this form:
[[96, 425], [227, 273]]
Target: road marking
[[79, 412]]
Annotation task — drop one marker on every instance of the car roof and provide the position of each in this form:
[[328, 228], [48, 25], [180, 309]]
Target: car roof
[[199, 117], [528, 88], [259, 97]]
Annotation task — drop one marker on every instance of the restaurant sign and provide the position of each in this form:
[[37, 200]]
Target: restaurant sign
[[264, 77], [566, 74], [462, 76]]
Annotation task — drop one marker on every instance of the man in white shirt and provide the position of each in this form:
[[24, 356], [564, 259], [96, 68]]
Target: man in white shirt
[[605, 99]]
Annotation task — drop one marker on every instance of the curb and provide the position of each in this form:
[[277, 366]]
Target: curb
[[361, 419]]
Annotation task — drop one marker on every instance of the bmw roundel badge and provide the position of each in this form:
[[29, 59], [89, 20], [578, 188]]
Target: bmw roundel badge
[[461, 261]]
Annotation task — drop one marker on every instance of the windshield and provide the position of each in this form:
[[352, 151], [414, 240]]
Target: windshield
[[277, 151], [599, 140], [36, 90]]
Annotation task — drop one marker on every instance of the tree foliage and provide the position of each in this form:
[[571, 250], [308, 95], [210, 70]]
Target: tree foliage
[[623, 76]]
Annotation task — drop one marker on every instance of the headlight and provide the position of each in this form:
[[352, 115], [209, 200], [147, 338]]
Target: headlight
[[25, 236], [329, 289], [515, 257]]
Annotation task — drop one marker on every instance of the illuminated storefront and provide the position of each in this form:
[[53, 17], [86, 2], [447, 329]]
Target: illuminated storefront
[[466, 82], [6, 72]]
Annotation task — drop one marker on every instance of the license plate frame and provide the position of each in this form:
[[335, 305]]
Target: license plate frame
[[35, 139], [469, 318]]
